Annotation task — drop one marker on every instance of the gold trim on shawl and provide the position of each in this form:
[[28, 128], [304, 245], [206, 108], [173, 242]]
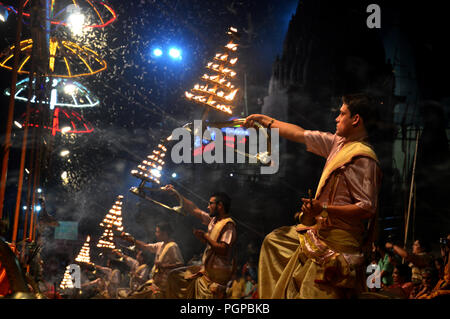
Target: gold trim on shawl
[[344, 156], [163, 253]]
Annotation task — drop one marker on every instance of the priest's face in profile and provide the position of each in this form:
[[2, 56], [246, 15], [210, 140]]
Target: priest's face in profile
[[212, 207], [344, 122]]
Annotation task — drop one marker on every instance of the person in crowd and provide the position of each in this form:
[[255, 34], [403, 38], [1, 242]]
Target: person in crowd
[[385, 264], [139, 271], [426, 287], [418, 260], [168, 257], [236, 289], [401, 282], [250, 287]]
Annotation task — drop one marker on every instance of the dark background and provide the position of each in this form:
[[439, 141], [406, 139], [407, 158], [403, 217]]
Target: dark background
[[142, 101]]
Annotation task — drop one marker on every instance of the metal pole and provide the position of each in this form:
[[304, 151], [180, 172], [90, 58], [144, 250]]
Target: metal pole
[[7, 145], [20, 183], [411, 191], [29, 188], [245, 95], [33, 201]]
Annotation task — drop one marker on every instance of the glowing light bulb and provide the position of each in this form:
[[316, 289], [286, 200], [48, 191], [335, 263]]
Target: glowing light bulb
[[65, 129], [75, 21], [157, 52], [64, 153], [70, 89]]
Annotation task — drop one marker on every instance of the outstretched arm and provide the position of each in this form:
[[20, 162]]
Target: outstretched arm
[[189, 206], [289, 131], [398, 250]]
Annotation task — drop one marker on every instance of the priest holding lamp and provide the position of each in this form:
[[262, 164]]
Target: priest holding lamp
[[321, 257]]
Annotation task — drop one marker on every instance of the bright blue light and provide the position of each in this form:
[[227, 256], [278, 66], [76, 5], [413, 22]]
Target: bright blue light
[[24, 207], [174, 175], [3, 14], [157, 52], [38, 208], [175, 53]]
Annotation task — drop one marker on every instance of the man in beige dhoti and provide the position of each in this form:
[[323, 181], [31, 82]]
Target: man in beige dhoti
[[208, 280], [168, 256], [321, 256]]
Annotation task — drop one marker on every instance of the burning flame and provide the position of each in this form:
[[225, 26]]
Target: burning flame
[[112, 220]]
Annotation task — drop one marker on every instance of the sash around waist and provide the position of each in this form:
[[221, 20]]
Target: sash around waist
[[341, 240]]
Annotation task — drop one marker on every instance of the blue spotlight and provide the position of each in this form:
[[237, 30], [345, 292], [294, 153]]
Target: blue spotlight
[[3, 14], [157, 52], [175, 53], [38, 208]]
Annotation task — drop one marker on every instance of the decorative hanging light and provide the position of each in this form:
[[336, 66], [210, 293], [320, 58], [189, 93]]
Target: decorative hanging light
[[64, 93], [98, 14], [66, 59], [218, 90], [63, 120]]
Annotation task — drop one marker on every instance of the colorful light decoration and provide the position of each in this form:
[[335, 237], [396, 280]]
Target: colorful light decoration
[[64, 93], [63, 120], [66, 60], [218, 91], [84, 254], [102, 14], [150, 169], [112, 222]]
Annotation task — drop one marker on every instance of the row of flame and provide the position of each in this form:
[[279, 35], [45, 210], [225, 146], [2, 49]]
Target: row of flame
[[150, 169]]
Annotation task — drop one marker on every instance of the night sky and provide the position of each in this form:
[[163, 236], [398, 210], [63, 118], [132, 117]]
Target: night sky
[[142, 101]]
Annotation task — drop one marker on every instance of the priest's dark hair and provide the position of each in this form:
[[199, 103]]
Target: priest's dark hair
[[223, 198]]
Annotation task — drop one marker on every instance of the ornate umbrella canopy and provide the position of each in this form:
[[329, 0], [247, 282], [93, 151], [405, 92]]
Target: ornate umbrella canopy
[[64, 93], [63, 120], [98, 13], [66, 60]]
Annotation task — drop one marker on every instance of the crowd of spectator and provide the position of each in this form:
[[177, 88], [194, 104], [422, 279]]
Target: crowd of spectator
[[415, 274]]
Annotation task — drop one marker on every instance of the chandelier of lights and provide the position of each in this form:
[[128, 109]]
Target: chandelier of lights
[[66, 282], [84, 254], [63, 120], [100, 14], [150, 169], [64, 93], [218, 90], [112, 222], [66, 60]]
